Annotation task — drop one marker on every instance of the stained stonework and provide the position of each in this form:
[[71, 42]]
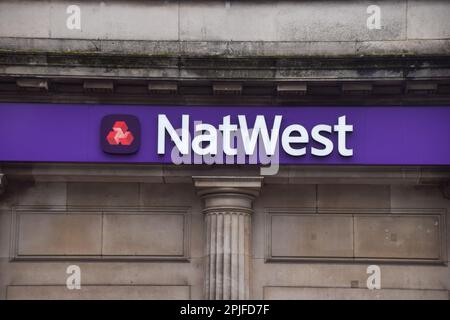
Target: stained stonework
[[222, 235], [221, 232]]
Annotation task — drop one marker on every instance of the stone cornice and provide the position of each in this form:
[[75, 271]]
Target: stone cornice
[[356, 48], [411, 175], [209, 67], [65, 73]]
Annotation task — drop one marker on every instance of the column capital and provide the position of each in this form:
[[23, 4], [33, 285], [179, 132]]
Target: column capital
[[222, 194], [219, 184]]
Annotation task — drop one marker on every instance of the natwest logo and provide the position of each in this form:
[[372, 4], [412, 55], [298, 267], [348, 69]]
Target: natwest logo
[[120, 134]]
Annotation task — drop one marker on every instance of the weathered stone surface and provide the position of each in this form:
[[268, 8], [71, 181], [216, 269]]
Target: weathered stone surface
[[103, 194], [144, 234], [133, 233], [288, 21], [228, 28], [59, 234], [208, 40], [428, 19], [300, 196], [232, 48], [25, 18], [5, 228], [418, 197], [205, 21], [341, 275], [181, 175], [400, 237], [49, 194], [298, 293], [311, 236], [8, 198], [113, 273], [353, 196], [99, 292], [168, 195], [157, 20], [324, 275]]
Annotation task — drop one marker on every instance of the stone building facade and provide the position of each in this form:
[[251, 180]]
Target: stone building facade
[[166, 231]]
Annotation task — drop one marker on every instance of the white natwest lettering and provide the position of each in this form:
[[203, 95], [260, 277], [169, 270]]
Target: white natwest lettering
[[294, 138]]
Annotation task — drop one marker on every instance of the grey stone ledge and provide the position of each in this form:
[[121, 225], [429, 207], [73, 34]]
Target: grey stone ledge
[[410, 175], [230, 48]]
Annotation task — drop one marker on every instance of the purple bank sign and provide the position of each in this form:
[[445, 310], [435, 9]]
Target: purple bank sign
[[224, 135]]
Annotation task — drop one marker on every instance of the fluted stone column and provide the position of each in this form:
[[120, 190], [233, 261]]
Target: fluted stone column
[[227, 209]]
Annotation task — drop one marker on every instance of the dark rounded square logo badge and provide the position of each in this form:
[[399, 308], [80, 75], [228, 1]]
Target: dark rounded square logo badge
[[120, 134]]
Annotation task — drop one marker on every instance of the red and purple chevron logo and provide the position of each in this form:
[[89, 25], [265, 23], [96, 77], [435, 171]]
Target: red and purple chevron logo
[[120, 134]]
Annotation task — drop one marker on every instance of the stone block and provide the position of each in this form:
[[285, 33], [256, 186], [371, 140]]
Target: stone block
[[418, 197], [111, 272], [300, 196], [24, 19], [144, 234], [428, 19], [55, 234], [299, 293], [398, 237], [99, 292], [311, 236], [289, 21], [353, 196], [338, 21], [41, 193], [102, 194], [341, 275], [155, 20], [168, 194], [220, 20], [5, 227]]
